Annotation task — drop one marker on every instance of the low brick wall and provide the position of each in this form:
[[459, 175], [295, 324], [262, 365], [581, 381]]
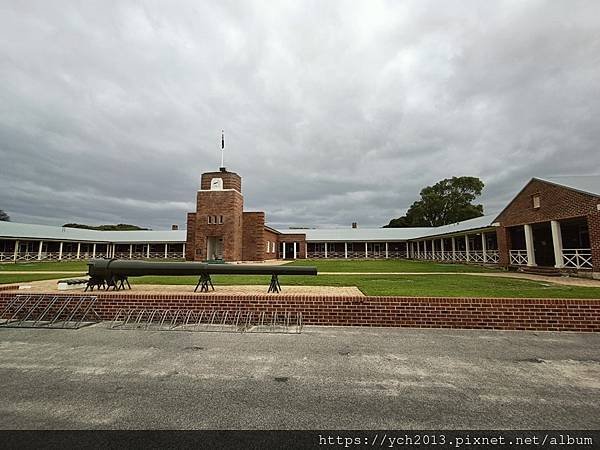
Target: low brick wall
[[465, 313], [8, 287]]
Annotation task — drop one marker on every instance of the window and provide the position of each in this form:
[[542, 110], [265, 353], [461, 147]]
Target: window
[[220, 219], [268, 246], [210, 219], [536, 201]]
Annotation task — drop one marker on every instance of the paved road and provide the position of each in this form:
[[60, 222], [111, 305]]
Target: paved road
[[324, 378]]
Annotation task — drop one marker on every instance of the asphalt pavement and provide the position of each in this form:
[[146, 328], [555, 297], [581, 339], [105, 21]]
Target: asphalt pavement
[[324, 378]]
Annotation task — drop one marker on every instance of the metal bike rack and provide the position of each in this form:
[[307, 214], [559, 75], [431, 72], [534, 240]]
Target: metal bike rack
[[208, 320], [49, 311]]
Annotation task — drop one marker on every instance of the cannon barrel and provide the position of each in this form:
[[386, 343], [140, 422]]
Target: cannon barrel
[[106, 268]]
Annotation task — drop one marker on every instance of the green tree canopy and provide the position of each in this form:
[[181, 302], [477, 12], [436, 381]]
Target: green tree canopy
[[4, 217], [118, 227], [448, 201]]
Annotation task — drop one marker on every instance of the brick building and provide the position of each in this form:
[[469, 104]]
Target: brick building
[[220, 229], [551, 223]]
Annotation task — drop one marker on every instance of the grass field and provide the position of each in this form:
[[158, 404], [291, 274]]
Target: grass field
[[8, 278], [406, 285], [387, 265], [383, 265], [41, 266], [435, 285]]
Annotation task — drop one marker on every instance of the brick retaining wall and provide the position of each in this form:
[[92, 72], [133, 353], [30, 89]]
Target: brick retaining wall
[[479, 313]]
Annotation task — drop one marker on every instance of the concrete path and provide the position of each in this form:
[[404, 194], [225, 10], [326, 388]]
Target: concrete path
[[325, 378]]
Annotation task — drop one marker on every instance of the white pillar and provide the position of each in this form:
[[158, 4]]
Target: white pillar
[[529, 245], [130, 251], [467, 246], [78, 249], [557, 243], [283, 246], [60, 250], [345, 250], [366, 251], [40, 250], [484, 246], [453, 248], [16, 251], [433, 249], [147, 250], [305, 250], [166, 250], [325, 250], [94, 250], [184, 249], [442, 247], [114, 253], [295, 254], [386, 250]]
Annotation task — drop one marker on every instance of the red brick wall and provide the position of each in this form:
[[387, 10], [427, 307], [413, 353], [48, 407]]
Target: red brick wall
[[253, 240], [502, 314], [503, 237], [556, 202], [298, 237], [593, 220], [228, 204], [190, 244], [271, 237], [231, 180]]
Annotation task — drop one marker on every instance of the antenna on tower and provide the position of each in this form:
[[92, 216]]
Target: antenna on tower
[[222, 150]]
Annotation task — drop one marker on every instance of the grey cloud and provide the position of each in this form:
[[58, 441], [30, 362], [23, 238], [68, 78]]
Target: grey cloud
[[334, 111]]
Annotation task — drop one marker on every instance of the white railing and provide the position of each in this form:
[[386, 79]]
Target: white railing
[[577, 258], [356, 254], [397, 254], [28, 256], [459, 256], [71, 256], [7, 256], [476, 256], [518, 257], [493, 256]]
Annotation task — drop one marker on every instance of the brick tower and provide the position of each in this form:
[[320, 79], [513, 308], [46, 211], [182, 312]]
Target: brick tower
[[215, 230]]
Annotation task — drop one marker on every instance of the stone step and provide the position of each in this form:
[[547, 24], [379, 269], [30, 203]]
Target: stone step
[[537, 270]]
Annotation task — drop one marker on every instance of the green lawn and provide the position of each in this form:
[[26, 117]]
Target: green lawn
[[8, 278], [384, 265], [447, 285], [387, 265], [41, 266], [405, 285]]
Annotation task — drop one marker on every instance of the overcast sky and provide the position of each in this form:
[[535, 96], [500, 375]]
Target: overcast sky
[[334, 111]]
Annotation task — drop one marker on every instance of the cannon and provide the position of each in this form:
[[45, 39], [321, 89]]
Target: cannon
[[107, 273]]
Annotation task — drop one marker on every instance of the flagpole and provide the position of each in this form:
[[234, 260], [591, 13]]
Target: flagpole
[[222, 149]]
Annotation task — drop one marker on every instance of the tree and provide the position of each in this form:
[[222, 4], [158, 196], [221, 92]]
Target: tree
[[447, 201], [4, 217], [118, 227]]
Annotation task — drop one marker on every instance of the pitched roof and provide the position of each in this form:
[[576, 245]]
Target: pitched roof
[[390, 234], [31, 231], [589, 184]]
